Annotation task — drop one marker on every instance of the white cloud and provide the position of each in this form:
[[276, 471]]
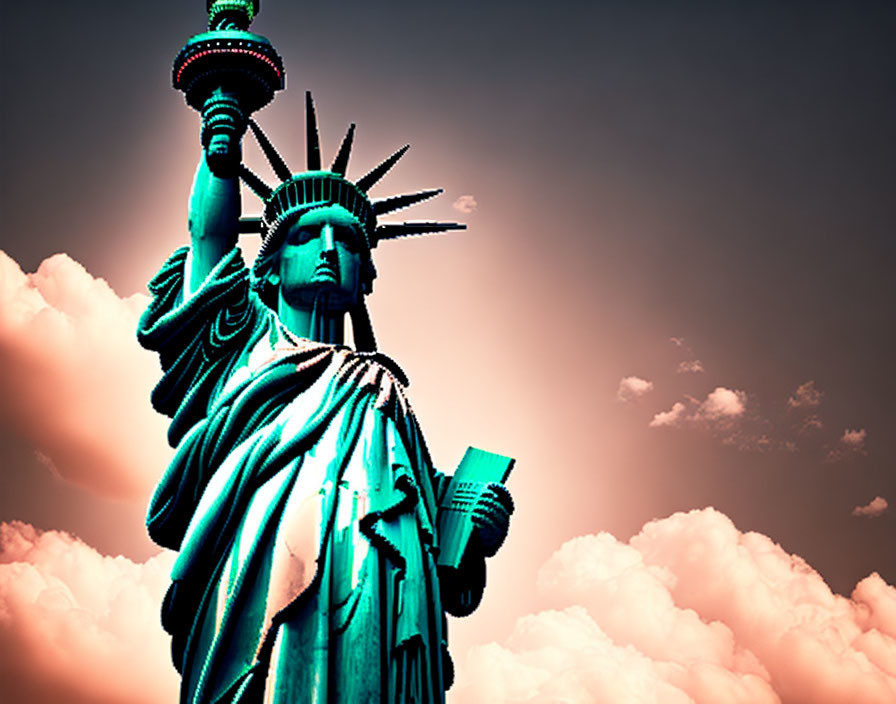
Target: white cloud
[[74, 380], [722, 403], [719, 409], [465, 204], [805, 396], [632, 387], [693, 366], [677, 341], [76, 626], [690, 610], [877, 506], [671, 417]]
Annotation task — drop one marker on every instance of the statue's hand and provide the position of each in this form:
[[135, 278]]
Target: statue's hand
[[223, 125], [491, 516]]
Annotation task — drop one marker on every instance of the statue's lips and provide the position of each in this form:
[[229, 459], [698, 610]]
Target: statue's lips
[[325, 272]]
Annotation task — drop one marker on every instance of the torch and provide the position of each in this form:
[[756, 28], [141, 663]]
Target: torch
[[226, 74]]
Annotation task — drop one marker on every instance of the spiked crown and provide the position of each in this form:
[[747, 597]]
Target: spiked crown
[[315, 187]]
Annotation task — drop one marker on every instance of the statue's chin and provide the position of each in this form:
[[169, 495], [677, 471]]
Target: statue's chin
[[326, 293]]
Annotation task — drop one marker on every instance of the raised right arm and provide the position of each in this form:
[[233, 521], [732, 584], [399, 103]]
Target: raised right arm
[[213, 221]]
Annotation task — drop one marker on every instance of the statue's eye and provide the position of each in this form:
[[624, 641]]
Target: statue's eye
[[301, 237], [347, 236]]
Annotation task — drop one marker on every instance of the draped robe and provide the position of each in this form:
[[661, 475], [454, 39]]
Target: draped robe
[[302, 502]]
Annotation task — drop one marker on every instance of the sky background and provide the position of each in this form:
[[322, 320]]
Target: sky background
[[675, 292]]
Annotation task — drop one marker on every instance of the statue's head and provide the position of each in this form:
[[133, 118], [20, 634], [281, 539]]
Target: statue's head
[[317, 243], [322, 253], [319, 228]]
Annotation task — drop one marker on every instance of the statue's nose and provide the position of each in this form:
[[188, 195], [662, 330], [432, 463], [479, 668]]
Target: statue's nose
[[327, 244]]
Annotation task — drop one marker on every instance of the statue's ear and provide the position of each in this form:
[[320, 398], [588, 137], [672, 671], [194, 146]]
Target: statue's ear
[[368, 274]]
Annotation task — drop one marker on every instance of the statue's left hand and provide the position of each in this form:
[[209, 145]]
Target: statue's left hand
[[491, 516]]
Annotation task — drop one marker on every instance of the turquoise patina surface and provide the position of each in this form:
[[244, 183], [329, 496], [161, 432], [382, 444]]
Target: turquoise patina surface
[[302, 499], [303, 503]]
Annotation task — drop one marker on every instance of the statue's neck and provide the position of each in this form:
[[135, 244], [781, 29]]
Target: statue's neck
[[317, 323]]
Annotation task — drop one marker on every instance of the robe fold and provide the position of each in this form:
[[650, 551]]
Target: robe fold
[[302, 501]]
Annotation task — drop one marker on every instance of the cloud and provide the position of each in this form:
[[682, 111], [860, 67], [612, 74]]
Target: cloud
[[689, 611], [805, 396], [677, 341], [809, 424], [851, 443], [47, 462], [872, 509], [465, 204], [672, 417], [722, 403], [632, 387], [74, 381], [719, 410], [692, 611], [692, 366], [853, 438], [752, 442], [80, 627]]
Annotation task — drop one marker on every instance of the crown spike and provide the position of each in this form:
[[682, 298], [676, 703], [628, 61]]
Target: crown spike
[[312, 140], [340, 163], [375, 174], [390, 231], [274, 159], [389, 205], [255, 184]]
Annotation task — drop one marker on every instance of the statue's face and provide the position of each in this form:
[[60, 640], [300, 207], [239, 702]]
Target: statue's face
[[321, 255]]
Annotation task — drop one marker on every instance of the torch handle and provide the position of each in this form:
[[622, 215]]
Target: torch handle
[[227, 74], [223, 125]]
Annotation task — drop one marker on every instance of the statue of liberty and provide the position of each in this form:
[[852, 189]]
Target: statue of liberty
[[319, 549]]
